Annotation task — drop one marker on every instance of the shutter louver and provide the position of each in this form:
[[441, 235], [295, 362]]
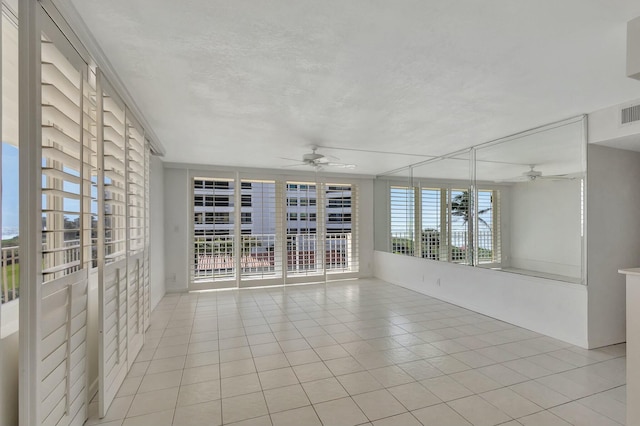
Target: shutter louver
[[147, 247], [67, 166], [402, 220], [114, 179], [431, 226]]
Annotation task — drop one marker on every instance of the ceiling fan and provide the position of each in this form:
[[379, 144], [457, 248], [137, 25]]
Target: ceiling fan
[[317, 161], [533, 175]]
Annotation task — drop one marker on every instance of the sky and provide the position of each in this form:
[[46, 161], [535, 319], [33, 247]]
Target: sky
[[10, 213]]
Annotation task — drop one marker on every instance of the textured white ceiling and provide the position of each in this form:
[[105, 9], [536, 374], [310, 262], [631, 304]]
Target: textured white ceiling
[[243, 83]]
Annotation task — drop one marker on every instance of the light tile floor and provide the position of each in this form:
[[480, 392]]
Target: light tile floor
[[357, 352]]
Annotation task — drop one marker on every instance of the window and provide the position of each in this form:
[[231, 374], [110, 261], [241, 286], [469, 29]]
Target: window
[[340, 217], [10, 215], [340, 244], [221, 201], [402, 220], [260, 243], [267, 209], [432, 224], [214, 225], [222, 217], [444, 224], [339, 202], [488, 226]]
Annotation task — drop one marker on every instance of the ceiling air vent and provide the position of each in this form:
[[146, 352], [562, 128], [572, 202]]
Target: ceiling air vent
[[630, 114]]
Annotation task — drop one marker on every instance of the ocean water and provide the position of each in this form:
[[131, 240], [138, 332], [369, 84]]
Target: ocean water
[[9, 233]]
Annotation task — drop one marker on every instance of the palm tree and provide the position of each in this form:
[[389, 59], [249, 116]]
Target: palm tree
[[460, 208]]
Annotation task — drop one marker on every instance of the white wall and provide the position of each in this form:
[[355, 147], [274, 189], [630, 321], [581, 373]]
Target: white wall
[[554, 308], [177, 195], [613, 238], [605, 128], [545, 227], [365, 226], [156, 231], [177, 190]]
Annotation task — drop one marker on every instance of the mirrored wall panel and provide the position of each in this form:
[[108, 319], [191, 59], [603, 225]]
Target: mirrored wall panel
[[540, 176], [514, 205]]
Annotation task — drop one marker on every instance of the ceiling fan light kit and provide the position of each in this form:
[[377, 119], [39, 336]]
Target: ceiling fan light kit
[[318, 161]]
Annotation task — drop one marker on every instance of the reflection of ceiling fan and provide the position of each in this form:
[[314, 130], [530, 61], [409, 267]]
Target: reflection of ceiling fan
[[317, 161], [532, 175]]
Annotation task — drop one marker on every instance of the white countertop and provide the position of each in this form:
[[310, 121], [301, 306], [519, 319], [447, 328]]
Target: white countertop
[[630, 271]]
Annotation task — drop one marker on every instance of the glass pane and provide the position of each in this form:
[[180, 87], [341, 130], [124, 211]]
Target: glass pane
[[302, 229], [535, 181], [10, 219], [260, 244], [340, 252], [62, 154], [213, 227], [446, 206]]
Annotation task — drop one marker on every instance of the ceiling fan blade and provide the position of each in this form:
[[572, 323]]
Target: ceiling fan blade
[[297, 160], [343, 165], [557, 177], [295, 165]]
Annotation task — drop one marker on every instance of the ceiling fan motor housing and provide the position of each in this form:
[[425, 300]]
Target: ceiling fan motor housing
[[312, 157]]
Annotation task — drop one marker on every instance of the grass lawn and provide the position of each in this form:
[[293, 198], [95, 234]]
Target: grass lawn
[[11, 269]]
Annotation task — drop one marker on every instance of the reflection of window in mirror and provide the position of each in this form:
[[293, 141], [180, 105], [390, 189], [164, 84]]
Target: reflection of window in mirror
[[402, 210]]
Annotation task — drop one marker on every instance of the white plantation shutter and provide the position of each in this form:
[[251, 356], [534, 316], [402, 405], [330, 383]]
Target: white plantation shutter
[[114, 177], [67, 167], [432, 237], [113, 273], [147, 248], [402, 220], [135, 160]]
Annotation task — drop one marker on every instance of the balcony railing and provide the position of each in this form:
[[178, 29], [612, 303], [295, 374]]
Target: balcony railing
[[10, 274], [10, 268], [433, 248], [214, 256]]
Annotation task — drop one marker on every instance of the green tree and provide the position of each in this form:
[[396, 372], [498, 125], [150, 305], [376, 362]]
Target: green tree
[[460, 208]]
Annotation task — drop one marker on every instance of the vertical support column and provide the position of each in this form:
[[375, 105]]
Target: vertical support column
[[354, 259], [280, 247], [237, 228], [443, 245], [417, 218], [472, 250], [321, 227], [30, 206], [583, 198]]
